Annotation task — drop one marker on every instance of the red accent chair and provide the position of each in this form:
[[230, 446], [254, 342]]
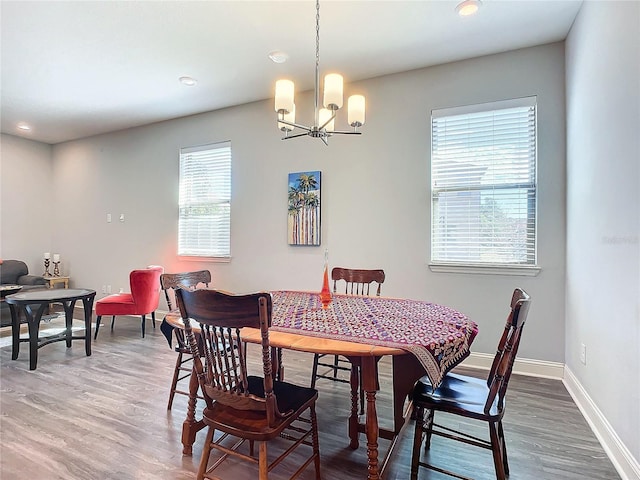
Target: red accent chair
[[143, 299]]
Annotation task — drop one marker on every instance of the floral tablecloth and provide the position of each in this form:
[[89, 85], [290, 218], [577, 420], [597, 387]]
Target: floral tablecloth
[[438, 336]]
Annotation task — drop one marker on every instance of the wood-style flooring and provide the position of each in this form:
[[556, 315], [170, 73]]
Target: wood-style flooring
[[104, 417]]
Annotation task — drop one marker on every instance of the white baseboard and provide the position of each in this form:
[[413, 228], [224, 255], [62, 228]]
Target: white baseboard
[[626, 465], [622, 459], [522, 366]]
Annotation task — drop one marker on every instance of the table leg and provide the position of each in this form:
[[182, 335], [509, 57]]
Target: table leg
[[68, 320], [407, 370], [33, 321], [354, 381], [190, 426], [277, 368], [371, 386], [87, 304], [15, 331]]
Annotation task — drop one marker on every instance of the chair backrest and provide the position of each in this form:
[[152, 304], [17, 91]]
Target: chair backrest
[[502, 365], [145, 288], [223, 377], [169, 282], [11, 270], [357, 281]]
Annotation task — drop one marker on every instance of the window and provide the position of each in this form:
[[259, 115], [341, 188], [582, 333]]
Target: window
[[483, 185], [204, 224]]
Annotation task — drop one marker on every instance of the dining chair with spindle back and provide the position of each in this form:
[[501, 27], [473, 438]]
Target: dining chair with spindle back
[[169, 282], [473, 398], [356, 282], [254, 408]]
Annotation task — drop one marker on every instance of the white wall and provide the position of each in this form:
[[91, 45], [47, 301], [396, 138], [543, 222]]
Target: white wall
[[376, 200], [26, 199], [603, 211], [375, 195]]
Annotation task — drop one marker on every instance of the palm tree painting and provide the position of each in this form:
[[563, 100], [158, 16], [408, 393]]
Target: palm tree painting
[[304, 208]]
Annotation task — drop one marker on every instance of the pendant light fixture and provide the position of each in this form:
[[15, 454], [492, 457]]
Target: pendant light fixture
[[324, 118]]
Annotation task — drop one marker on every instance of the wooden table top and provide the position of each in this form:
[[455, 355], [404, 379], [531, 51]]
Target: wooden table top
[[300, 342]]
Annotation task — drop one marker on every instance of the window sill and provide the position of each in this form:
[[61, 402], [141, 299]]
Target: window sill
[[191, 258], [525, 271]]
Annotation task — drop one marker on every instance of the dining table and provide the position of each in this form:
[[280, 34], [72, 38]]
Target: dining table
[[423, 338]]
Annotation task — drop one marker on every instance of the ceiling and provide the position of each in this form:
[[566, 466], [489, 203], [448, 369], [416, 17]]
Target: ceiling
[[72, 69]]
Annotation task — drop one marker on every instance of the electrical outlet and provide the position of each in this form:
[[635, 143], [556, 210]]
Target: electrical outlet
[[122, 217], [583, 354], [108, 218], [104, 289], [108, 288]]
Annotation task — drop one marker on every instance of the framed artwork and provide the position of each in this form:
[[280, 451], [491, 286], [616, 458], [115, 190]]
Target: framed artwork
[[303, 223]]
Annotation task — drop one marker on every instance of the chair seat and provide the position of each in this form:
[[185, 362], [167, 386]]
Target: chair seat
[[459, 394], [117, 304], [253, 424]]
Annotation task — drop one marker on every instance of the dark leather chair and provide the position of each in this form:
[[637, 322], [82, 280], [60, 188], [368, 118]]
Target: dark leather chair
[[16, 272], [473, 398], [257, 409]]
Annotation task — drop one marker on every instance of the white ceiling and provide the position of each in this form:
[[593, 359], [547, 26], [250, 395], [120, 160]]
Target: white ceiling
[[72, 69]]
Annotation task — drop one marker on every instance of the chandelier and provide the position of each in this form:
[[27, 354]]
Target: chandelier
[[324, 123]]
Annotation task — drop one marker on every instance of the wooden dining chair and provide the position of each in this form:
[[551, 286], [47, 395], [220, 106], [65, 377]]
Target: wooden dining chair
[[356, 282], [142, 300], [472, 398], [169, 282], [254, 408]]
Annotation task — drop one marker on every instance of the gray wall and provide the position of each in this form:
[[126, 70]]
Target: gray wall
[[376, 200], [603, 211], [27, 198], [375, 195]]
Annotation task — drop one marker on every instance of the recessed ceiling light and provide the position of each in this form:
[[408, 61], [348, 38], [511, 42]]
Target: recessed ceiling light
[[278, 57], [188, 81], [468, 7], [24, 127]]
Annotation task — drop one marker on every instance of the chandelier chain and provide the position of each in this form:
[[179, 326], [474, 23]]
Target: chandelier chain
[[317, 33], [316, 100]]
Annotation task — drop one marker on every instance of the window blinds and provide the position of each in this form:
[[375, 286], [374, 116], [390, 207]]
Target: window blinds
[[483, 184], [204, 224]]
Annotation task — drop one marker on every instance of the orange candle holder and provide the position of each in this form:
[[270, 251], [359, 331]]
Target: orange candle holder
[[325, 293]]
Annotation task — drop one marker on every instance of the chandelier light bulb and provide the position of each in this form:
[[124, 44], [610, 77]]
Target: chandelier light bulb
[[355, 108], [324, 115], [288, 117], [333, 86], [284, 96]]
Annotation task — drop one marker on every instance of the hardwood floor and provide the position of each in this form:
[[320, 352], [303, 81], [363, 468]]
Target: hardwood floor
[[105, 417]]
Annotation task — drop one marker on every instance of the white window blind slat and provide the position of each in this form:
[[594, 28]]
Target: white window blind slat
[[204, 219], [483, 184]]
